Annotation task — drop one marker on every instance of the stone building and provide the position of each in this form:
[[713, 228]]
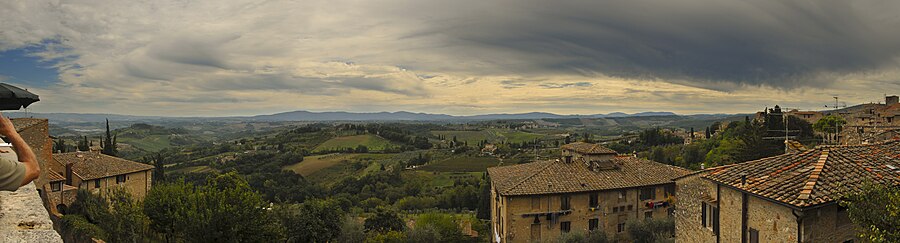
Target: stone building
[[786, 198], [23, 216], [867, 123], [809, 116], [97, 173], [588, 188]]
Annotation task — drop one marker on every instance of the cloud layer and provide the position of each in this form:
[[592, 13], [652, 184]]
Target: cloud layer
[[459, 57]]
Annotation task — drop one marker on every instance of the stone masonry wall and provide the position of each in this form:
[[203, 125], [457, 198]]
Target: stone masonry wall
[[729, 215], [774, 222], [828, 224], [23, 216], [691, 191], [520, 228], [137, 184]]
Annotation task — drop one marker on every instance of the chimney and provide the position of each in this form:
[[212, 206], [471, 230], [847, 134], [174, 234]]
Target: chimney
[[69, 174], [890, 100], [743, 179]]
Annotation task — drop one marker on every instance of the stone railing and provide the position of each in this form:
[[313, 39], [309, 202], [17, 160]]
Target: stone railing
[[23, 217]]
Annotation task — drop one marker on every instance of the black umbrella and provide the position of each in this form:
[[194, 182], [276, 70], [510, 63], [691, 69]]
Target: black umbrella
[[14, 98]]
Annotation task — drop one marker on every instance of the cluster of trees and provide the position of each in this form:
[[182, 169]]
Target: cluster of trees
[[223, 209], [388, 188], [738, 141], [226, 208], [393, 132], [386, 226], [639, 231], [876, 210]]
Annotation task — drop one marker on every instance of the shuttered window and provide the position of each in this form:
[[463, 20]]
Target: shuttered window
[[703, 213], [593, 224]]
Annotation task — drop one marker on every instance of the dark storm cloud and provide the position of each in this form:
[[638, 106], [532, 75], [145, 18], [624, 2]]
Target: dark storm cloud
[[717, 44]]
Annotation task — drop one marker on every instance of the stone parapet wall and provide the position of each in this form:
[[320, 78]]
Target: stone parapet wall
[[23, 217]]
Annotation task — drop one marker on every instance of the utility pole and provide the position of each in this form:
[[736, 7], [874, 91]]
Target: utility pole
[[837, 135]]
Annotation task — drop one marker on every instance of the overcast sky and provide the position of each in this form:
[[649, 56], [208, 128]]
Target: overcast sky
[[212, 58]]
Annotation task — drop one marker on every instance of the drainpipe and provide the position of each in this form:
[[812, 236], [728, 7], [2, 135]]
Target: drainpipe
[[718, 215], [743, 209], [799, 215]]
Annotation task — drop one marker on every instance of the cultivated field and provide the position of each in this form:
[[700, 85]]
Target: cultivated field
[[312, 164], [461, 164], [373, 142]]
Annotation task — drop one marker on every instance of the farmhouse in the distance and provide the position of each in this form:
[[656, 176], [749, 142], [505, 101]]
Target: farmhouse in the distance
[[785, 198], [97, 173], [589, 188]]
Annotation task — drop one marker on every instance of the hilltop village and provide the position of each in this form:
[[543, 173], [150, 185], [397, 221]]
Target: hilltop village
[[780, 175]]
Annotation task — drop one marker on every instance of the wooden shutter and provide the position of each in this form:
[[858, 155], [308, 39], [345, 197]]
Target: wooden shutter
[[703, 213], [715, 220]]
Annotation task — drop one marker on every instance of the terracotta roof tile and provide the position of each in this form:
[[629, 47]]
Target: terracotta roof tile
[[52, 176], [587, 148], [547, 177], [24, 123], [815, 176], [93, 165]]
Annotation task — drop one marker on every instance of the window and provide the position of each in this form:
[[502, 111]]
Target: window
[[754, 235], [615, 209], [630, 207], [622, 195], [593, 224], [709, 215], [564, 202], [648, 193], [535, 232], [565, 227], [97, 183], [703, 214], [715, 220], [56, 186], [620, 227], [120, 179], [594, 200], [670, 190], [648, 215], [535, 202]]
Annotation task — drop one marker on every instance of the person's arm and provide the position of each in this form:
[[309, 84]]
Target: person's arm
[[26, 156]]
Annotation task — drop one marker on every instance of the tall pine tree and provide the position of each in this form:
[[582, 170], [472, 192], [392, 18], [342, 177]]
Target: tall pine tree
[[109, 144]]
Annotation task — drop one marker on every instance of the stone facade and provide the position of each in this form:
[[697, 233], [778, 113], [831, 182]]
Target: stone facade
[[137, 184], [772, 222], [589, 188], [23, 215], [694, 193], [524, 218]]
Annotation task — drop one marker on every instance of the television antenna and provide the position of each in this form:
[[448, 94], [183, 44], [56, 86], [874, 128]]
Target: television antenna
[[837, 105]]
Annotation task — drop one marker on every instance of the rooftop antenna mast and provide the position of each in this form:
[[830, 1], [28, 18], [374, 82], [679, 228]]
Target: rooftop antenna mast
[[784, 119], [837, 105]]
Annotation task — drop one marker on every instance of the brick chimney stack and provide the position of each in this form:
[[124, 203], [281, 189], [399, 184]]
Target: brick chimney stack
[[69, 174]]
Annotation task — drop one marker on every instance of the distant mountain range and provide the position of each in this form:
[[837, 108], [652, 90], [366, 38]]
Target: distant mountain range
[[330, 116]]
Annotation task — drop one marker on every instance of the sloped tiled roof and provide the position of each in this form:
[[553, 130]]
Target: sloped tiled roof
[[52, 176], [588, 148], [815, 176], [24, 123], [547, 177], [93, 165]]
